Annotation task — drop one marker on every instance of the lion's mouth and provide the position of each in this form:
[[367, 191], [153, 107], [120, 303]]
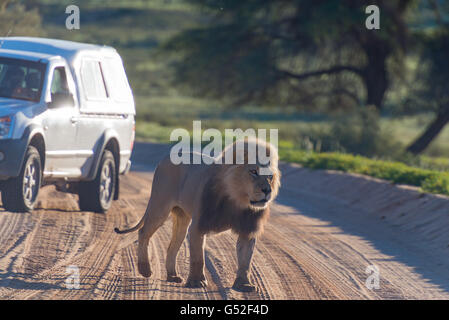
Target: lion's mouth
[[263, 201]]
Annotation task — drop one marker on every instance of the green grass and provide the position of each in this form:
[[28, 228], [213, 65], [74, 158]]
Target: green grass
[[428, 180], [406, 128], [432, 181], [305, 131]]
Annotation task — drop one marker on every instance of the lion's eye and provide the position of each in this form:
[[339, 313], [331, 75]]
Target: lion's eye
[[254, 172]]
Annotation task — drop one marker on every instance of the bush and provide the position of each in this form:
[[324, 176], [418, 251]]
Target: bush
[[437, 183], [360, 133], [357, 132], [428, 180]]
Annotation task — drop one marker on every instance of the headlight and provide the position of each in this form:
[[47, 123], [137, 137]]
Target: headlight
[[5, 126]]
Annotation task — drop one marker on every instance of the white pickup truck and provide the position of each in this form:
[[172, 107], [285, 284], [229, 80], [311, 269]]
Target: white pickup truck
[[66, 118]]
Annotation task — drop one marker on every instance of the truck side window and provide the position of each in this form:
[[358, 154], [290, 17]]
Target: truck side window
[[92, 80], [59, 83], [116, 80]]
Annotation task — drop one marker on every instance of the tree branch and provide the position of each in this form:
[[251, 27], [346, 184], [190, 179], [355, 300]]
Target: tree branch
[[317, 73]]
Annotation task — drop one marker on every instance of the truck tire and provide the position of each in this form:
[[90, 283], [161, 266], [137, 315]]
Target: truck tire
[[19, 194], [97, 195]]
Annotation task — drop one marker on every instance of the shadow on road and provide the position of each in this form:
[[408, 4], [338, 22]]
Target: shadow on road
[[146, 156], [398, 245]]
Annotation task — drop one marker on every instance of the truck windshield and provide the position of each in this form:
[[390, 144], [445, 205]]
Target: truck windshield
[[21, 79]]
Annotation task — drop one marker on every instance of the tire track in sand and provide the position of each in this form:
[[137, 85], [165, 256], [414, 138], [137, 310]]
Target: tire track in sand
[[306, 252]]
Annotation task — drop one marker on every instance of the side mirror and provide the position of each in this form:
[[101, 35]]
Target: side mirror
[[64, 99]]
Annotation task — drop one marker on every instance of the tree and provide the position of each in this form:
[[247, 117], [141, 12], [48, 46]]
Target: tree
[[284, 50], [436, 92], [435, 73], [15, 19]]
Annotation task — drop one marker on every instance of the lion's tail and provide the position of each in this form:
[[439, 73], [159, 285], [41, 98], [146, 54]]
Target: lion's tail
[[136, 227]]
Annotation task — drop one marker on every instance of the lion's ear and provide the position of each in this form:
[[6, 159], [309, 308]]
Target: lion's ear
[[276, 181]]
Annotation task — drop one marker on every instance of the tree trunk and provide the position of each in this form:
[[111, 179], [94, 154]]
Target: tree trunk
[[423, 141], [374, 74], [375, 78], [376, 86]]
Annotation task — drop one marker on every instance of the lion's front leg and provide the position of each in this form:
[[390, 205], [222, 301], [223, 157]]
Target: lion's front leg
[[245, 249], [196, 277]]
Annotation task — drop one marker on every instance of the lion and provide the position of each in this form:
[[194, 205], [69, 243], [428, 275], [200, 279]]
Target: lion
[[210, 198]]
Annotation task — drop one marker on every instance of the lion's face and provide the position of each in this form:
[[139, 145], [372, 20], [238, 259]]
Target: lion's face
[[251, 187], [260, 185], [252, 184]]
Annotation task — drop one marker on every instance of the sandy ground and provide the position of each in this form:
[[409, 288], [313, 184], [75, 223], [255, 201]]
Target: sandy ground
[[325, 230]]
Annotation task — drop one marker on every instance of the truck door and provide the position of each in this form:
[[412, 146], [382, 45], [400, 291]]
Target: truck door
[[60, 126]]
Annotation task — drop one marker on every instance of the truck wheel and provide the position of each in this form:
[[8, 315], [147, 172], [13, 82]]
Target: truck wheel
[[19, 194], [97, 195]]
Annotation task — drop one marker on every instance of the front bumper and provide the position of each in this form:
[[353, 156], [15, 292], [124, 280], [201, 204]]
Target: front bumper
[[13, 153]]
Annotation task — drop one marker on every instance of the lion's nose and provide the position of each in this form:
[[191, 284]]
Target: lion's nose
[[266, 190]]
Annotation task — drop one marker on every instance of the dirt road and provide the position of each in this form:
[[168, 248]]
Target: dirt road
[[316, 246]]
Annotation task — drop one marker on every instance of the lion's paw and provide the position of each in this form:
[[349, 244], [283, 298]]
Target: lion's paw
[[144, 270], [192, 283], [176, 279], [243, 286]]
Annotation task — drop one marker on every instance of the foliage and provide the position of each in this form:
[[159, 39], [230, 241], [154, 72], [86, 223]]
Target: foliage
[[360, 133], [302, 52], [138, 29], [17, 20], [428, 180], [435, 70]]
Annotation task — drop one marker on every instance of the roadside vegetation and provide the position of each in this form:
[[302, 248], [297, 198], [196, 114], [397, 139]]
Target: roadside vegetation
[[176, 80], [427, 173], [432, 181]]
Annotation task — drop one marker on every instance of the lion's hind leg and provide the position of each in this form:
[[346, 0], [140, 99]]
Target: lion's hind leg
[[155, 216], [181, 222]]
